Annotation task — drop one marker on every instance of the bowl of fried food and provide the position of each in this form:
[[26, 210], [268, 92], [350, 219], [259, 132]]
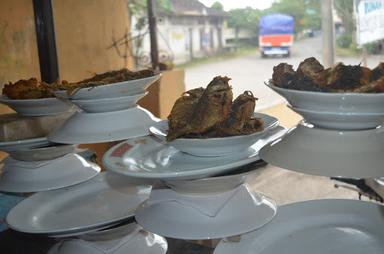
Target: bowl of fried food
[[206, 122], [32, 98], [339, 97], [110, 84]]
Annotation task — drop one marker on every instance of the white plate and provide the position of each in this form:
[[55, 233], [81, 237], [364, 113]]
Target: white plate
[[206, 147], [108, 104], [49, 152], [27, 177], [147, 158], [316, 227], [9, 146], [310, 150], [332, 102], [37, 107], [341, 121], [133, 240], [119, 89], [224, 182], [239, 215], [87, 128], [104, 200]]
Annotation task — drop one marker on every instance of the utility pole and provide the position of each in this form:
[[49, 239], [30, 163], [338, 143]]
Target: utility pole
[[153, 35], [328, 32]]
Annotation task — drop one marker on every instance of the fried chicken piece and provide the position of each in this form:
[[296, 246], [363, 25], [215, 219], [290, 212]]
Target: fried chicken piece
[[183, 108], [241, 114], [283, 75], [27, 89], [212, 108]]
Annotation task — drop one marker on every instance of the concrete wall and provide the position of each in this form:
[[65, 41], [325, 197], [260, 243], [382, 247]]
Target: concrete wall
[[18, 47], [84, 34], [84, 31]]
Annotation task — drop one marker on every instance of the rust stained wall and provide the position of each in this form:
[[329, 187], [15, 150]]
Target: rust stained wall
[[18, 47], [84, 31]]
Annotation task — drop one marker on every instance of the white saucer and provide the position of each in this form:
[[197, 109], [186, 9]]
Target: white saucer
[[315, 151], [147, 158], [27, 177], [104, 200], [37, 107], [221, 146], [341, 121], [243, 212], [316, 227], [122, 240], [87, 128], [9, 146]]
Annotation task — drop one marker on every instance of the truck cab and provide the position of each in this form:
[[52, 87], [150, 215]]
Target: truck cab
[[276, 35]]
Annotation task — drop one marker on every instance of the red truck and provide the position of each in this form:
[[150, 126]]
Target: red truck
[[276, 35]]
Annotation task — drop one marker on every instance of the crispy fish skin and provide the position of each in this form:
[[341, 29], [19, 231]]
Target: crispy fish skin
[[283, 75], [182, 110], [241, 112], [27, 89], [212, 108]]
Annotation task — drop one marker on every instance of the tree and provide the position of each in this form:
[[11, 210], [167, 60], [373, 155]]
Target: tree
[[246, 18], [218, 6], [344, 9]]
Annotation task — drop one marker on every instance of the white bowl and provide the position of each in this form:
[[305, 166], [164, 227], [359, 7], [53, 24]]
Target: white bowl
[[26, 177], [245, 211], [119, 89], [341, 121], [207, 147], [333, 102], [332, 153], [37, 107], [130, 239], [108, 104], [49, 152], [88, 128]]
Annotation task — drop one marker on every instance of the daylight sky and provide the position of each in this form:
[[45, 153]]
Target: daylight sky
[[233, 4]]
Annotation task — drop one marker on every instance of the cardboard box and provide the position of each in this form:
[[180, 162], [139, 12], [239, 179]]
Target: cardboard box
[[163, 93]]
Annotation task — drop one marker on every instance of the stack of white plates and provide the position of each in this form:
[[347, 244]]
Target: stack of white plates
[[180, 212], [110, 97], [107, 113], [340, 111]]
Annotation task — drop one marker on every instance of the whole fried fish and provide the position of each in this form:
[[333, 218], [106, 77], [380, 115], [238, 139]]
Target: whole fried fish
[[241, 112], [212, 108], [183, 108]]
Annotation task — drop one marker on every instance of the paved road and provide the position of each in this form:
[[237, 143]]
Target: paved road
[[249, 72]]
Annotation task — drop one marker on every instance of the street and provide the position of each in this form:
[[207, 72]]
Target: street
[[250, 72]]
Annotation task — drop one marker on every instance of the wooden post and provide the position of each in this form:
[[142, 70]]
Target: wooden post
[[153, 35]]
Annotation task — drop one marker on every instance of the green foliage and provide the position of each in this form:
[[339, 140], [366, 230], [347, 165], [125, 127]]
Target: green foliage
[[247, 18], [344, 41], [217, 5], [374, 48], [344, 9]]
